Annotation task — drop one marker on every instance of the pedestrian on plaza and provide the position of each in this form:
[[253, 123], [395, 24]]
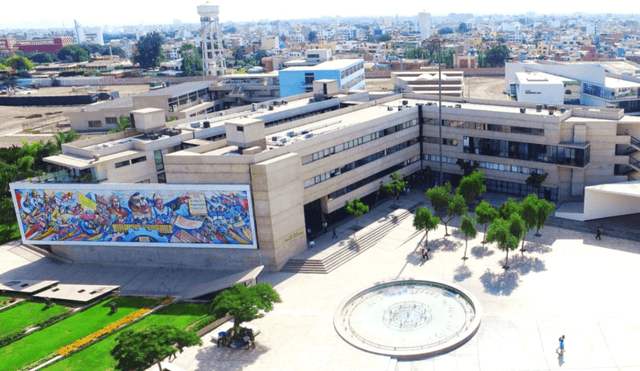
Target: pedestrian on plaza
[[599, 233], [425, 254], [334, 235], [311, 244], [324, 226], [561, 347]]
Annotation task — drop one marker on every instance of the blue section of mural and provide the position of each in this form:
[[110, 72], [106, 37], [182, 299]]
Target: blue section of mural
[[208, 217]]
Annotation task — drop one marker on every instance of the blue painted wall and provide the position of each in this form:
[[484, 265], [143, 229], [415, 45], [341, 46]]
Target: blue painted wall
[[292, 82]]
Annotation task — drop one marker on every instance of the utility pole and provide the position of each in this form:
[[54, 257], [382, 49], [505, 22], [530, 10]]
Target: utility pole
[[438, 41]]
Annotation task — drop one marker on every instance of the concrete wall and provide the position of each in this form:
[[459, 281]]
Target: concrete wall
[[601, 204]]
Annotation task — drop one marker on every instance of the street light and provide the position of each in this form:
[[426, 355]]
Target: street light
[[436, 40]]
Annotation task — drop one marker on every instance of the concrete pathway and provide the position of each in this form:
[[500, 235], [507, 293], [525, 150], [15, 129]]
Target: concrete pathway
[[567, 283]]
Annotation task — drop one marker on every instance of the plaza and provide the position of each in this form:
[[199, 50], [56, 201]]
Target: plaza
[[567, 283]]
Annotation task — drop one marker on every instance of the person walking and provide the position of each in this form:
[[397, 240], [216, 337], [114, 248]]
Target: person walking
[[599, 233], [561, 347], [324, 226], [425, 254], [334, 235]]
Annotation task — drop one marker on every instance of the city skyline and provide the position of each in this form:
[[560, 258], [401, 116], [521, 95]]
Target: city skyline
[[121, 13]]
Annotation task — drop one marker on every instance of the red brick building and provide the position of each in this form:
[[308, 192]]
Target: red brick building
[[44, 45]]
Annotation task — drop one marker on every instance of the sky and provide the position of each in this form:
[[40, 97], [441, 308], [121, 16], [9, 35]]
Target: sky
[[57, 14]]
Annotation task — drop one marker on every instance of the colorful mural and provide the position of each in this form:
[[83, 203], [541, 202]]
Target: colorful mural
[[145, 215]]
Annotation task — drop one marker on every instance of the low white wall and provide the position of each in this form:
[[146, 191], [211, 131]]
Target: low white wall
[[598, 204]]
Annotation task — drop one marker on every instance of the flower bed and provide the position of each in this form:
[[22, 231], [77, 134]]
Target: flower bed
[[103, 331]]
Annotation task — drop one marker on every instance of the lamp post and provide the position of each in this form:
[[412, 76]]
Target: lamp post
[[438, 41]]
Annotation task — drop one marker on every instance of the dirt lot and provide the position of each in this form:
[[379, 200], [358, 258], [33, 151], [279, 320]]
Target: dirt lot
[[12, 118], [475, 87]]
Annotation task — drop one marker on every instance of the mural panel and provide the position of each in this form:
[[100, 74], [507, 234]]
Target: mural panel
[[209, 216]]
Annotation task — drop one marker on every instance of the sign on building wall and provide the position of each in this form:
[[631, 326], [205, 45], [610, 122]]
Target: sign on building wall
[[174, 215]]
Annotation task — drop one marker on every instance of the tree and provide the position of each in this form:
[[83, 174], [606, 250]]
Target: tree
[[38, 57], [507, 208], [485, 214], [396, 187], [469, 230], [313, 36], [19, 63], [243, 303], [440, 197], [357, 208], [191, 60], [149, 50], [62, 137], [466, 166], [121, 125], [456, 207], [462, 28], [545, 208], [92, 48], [424, 220], [535, 180], [497, 56], [73, 53], [141, 349], [4, 67], [259, 55], [113, 50], [502, 232], [529, 212], [445, 30], [238, 54], [471, 186]]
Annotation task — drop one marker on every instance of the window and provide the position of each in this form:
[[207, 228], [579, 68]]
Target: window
[[159, 162], [110, 120], [308, 78], [95, 123], [162, 178], [122, 164], [240, 128], [138, 159]]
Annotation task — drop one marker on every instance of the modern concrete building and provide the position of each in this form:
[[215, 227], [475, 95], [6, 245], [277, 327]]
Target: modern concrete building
[[302, 158], [539, 87], [349, 73], [428, 82], [424, 19]]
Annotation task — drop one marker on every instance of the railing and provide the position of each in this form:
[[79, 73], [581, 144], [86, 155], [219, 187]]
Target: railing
[[634, 162], [634, 141], [63, 176]]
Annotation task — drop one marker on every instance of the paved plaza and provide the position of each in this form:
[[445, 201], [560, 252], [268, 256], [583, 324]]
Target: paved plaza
[[566, 283]]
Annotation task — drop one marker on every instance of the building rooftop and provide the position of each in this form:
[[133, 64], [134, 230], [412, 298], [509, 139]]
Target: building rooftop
[[328, 65], [180, 89]]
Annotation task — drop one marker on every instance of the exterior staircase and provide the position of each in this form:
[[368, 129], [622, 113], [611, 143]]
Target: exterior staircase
[[348, 252]]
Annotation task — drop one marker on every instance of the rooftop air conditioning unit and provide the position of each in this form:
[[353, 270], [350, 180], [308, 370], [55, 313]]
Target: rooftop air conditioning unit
[[308, 136], [282, 140], [195, 124], [458, 105], [523, 110], [389, 108], [552, 109], [291, 134], [405, 102], [562, 109], [538, 107], [206, 124], [270, 108], [274, 139]]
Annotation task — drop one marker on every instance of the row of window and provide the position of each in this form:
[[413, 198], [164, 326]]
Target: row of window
[[356, 164], [351, 70], [357, 142], [488, 127], [445, 141], [372, 178], [130, 162], [487, 165], [527, 151], [95, 123], [191, 97], [298, 117], [353, 82]]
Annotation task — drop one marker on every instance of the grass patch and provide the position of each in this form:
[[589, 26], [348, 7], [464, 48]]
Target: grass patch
[[27, 314], [9, 233], [4, 301], [46, 341], [97, 357]]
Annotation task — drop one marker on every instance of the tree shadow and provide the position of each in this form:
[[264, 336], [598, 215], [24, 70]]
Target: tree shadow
[[438, 244], [457, 234], [462, 273], [481, 251], [452, 245], [526, 264], [537, 247], [227, 359], [500, 284]]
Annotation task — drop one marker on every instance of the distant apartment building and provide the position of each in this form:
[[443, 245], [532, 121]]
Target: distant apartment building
[[270, 42], [8, 47], [349, 73], [425, 25], [44, 45]]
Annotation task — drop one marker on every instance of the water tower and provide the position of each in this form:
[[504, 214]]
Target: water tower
[[212, 51]]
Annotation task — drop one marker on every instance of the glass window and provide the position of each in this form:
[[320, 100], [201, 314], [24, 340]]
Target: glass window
[[138, 159], [122, 164]]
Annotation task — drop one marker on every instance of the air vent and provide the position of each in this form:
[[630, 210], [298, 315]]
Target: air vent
[[523, 110]]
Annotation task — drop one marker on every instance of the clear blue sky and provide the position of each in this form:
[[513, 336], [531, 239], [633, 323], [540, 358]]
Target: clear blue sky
[[45, 14]]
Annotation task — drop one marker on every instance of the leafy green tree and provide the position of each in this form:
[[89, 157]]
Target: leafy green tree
[[313, 36], [149, 52], [4, 67], [357, 208], [141, 349], [92, 48], [424, 220], [471, 186], [485, 214], [507, 208], [244, 303], [396, 187], [63, 137], [73, 53], [500, 232], [529, 213], [497, 56], [115, 50], [19, 63], [238, 54], [440, 197], [462, 28], [445, 30], [259, 55], [469, 230], [545, 208], [38, 57], [535, 180], [456, 207], [191, 60], [121, 125], [466, 166]]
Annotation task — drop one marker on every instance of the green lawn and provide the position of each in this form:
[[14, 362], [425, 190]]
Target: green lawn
[[44, 342], [97, 357], [3, 301], [26, 314]]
